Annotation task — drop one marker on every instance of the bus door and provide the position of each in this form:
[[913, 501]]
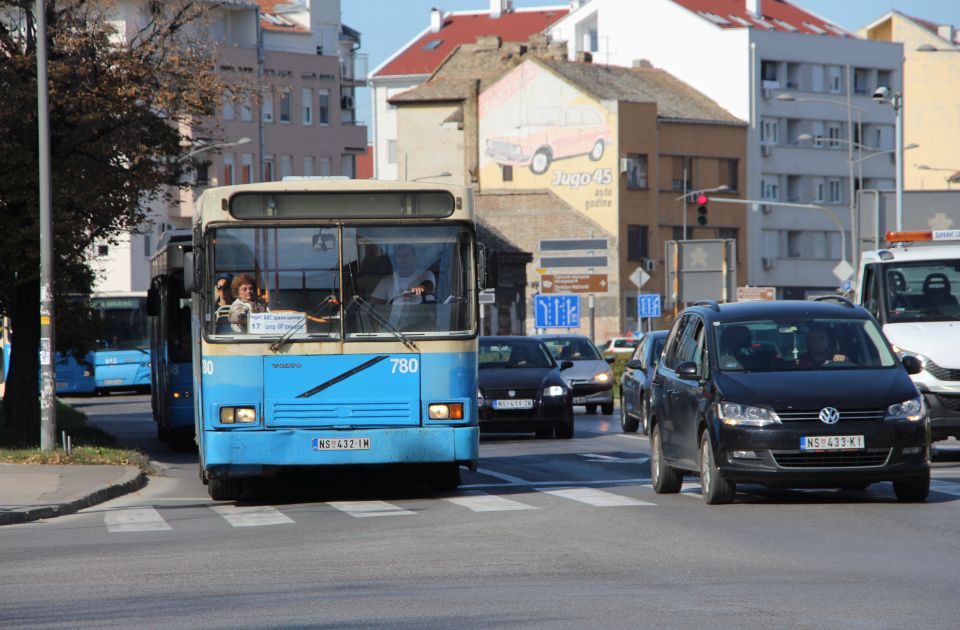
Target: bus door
[[342, 391]]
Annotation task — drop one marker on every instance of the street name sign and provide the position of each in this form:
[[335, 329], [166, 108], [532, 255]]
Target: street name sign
[[574, 283], [745, 294], [557, 311]]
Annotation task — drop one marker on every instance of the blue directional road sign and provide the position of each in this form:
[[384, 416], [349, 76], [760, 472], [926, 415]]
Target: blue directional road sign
[[557, 311], [648, 305]]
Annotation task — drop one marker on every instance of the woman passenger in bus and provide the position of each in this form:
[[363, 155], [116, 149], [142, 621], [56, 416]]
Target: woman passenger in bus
[[246, 301]]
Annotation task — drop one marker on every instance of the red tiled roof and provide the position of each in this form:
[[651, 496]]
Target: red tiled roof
[[464, 28], [270, 7], [774, 12]]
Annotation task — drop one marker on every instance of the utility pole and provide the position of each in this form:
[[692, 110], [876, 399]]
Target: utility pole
[[48, 409]]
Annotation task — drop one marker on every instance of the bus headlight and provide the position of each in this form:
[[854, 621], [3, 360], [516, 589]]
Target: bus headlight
[[238, 415], [445, 411]]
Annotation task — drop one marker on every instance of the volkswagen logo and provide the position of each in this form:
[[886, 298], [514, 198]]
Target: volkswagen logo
[[829, 415], [512, 393]]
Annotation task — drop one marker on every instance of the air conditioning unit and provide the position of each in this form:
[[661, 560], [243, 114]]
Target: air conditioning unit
[[626, 165], [649, 264], [768, 263], [346, 102], [767, 150]]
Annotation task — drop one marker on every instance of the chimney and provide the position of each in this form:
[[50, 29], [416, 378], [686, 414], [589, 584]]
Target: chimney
[[946, 31], [754, 8], [642, 63], [436, 20], [499, 7], [575, 4]]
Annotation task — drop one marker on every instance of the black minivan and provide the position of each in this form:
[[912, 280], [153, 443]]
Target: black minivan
[[788, 393]]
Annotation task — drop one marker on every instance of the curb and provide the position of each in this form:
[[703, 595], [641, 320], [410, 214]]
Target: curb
[[133, 479]]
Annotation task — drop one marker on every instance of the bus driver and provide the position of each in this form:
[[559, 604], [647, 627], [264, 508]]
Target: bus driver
[[407, 284]]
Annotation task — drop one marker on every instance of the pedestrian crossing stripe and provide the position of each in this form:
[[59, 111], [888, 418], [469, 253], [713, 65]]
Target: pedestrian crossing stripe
[[141, 519], [251, 516], [361, 509], [594, 497], [477, 501]]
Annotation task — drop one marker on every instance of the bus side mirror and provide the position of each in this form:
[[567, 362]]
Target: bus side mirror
[[153, 302], [192, 271], [482, 280]]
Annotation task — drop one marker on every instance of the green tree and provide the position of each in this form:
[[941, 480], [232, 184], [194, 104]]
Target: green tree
[[120, 104]]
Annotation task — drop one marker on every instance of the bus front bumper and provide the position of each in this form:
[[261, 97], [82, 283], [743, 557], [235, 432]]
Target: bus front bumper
[[242, 453]]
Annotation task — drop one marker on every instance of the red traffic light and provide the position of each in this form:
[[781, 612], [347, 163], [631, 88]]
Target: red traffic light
[[702, 199]]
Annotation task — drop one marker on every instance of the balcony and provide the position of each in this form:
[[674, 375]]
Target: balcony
[[353, 69]]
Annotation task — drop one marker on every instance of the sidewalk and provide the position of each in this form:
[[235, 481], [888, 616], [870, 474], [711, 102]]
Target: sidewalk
[[29, 492]]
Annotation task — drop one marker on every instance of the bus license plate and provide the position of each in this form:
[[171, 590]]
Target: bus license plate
[[831, 442], [113, 381], [513, 404], [341, 444]]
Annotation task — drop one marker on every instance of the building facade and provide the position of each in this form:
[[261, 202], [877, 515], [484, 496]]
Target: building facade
[[303, 62], [804, 86]]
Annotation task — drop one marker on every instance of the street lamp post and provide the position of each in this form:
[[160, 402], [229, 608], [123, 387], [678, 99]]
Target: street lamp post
[[203, 146], [953, 178], [883, 94]]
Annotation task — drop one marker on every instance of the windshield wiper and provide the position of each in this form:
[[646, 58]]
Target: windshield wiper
[[367, 308], [313, 312]]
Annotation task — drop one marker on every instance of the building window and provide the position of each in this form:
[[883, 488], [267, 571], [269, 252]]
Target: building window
[[246, 110], [286, 166], [285, 106], [795, 244], [324, 167], [729, 172], [637, 244], [833, 132], [507, 170], [835, 191], [308, 167], [246, 168], [306, 106], [323, 107], [681, 166], [834, 80], [348, 166], [266, 107], [770, 131], [860, 76], [636, 170], [768, 73], [818, 186], [228, 109], [391, 151], [146, 246], [268, 169], [770, 189], [678, 233], [228, 165]]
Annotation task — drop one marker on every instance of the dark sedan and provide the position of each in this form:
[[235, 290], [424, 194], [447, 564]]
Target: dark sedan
[[520, 388], [635, 384]]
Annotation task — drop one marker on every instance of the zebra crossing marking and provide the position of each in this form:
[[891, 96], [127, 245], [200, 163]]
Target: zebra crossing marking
[[477, 501], [361, 509], [251, 516], [594, 497], [143, 519]]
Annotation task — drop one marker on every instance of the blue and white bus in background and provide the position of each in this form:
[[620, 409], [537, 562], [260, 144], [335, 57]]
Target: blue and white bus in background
[[122, 354], [168, 306], [72, 377], [358, 342]]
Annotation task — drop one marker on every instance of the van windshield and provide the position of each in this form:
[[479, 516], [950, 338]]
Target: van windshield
[[772, 345], [923, 291]]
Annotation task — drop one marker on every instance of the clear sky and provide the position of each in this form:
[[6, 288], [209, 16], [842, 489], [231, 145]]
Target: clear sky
[[387, 25]]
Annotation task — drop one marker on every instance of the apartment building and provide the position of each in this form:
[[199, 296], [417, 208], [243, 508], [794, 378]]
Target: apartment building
[[804, 86], [305, 63], [417, 60], [931, 74], [579, 164]]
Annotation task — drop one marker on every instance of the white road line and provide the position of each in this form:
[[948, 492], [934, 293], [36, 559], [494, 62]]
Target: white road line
[[145, 519], [483, 502], [633, 437], [609, 459], [596, 498], [578, 482], [945, 487], [251, 516], [694, 490], [360, 509], [504, 476]]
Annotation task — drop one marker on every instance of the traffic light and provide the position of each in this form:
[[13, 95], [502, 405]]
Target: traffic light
[[702, 201]]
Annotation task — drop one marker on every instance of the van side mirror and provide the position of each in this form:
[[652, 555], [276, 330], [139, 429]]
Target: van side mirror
[[912, 364], [153, 302], [688, 371]]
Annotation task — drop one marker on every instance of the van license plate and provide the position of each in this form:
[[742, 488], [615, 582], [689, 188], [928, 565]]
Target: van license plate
[[341, 444], [831, 443]]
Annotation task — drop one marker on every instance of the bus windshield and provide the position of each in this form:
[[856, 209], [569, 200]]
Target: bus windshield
[[342, 282], [124, 323], [922, 291]]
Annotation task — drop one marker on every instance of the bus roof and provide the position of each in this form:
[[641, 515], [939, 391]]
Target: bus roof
[[213, 205]]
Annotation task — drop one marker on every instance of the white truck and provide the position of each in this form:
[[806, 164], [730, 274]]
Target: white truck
[[912, 288]]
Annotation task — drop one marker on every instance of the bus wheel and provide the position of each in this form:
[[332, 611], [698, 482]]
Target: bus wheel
[[162, 434], [444, 477], [221, 489]]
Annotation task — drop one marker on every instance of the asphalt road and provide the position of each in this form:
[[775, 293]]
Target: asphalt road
[[547, 534]]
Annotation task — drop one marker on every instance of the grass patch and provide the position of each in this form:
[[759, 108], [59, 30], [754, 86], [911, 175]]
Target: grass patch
[[90, 445]]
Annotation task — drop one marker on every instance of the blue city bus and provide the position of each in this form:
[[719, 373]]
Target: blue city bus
[[358, 343], [122, 354], [171, 353], [72, 377]]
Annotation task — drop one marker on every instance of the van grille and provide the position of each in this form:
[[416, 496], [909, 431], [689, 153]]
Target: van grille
[[942, 373], [840, 459], [846, 415]]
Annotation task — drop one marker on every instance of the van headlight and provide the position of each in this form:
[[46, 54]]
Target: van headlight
[[734, 415], [554, 390], [909, 410], [238, 415]]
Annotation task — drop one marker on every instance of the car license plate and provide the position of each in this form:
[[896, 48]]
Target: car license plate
[[113, 381], [513, 404], [579, 400], [341, 444], [831, 442]]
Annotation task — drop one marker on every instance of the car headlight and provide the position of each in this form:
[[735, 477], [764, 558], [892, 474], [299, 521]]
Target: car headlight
[[554, 390], [602, 377], [909, 410], [907, 353], [735, 415], [238, 415]]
